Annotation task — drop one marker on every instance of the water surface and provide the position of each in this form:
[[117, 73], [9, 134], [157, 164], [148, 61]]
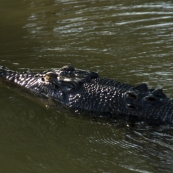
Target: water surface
[[129, 41]]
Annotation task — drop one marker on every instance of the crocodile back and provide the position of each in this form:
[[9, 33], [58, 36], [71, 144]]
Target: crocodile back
[[110, 98]]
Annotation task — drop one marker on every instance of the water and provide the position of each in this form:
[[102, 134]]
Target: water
[[130, 41]]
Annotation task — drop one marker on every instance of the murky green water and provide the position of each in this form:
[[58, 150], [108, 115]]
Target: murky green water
[[130, 41]]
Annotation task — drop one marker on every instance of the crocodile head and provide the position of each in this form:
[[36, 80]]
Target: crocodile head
[[59, 84], [55, 84]]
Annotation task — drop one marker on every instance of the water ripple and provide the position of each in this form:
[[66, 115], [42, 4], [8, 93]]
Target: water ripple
[[129, 41]]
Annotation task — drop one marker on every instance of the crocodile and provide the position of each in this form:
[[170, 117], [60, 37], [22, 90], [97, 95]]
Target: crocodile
[[84, 90]]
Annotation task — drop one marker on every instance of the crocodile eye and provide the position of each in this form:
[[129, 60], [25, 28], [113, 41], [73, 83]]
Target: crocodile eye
[[47, 77]]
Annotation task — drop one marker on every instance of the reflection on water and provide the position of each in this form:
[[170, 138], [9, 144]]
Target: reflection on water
[[128, 41]]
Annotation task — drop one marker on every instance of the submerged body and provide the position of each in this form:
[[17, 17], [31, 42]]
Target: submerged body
[[86, 91]]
